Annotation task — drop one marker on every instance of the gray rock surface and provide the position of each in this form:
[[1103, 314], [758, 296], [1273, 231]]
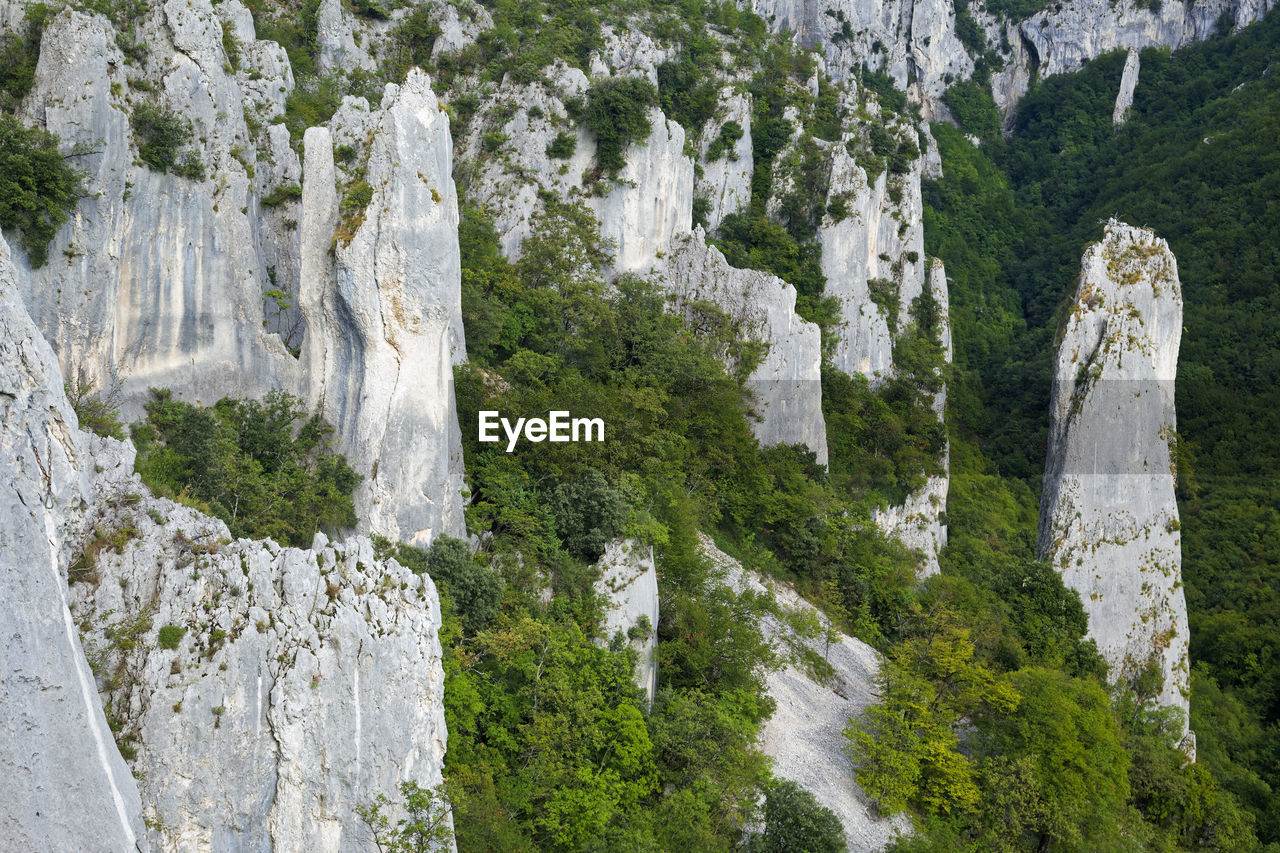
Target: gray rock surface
[[1109, 517], [297, 685], [384, 316], [1128, 82], [63, 783], [628, 585], [787, 384], [726, 181], [804, 737]]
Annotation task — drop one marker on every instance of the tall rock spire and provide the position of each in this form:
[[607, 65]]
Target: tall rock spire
[[1109, 519]]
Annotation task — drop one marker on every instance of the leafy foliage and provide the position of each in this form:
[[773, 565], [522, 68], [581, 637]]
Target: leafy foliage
[[164, 139], [262, 467], [617, 113], [37, 186]]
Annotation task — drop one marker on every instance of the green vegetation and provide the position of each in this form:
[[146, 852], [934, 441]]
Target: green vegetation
[[617, 114], [423, 829], [164, 141], [563, 146], [1195, 163], [281, 194], [262, 467], [411, 43], [170, 636], [38, 188], [94, 411], [19, 52]]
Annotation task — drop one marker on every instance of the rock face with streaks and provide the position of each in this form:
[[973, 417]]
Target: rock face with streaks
[[628, 584], [1109, 518], [268, 692], [55, 745], [726, 180], [160, 280], [384, 313], [804, 736], [787, 383]]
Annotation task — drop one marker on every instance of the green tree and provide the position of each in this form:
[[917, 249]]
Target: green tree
[[38, 188]]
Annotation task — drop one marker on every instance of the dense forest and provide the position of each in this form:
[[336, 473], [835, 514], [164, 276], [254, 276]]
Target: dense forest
[[1197, 162]]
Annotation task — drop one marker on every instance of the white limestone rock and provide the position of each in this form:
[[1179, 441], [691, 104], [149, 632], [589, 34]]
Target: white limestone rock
[[63, 783], [917, 522], [628, 585], [726, 181], [1109, 517], [384, 317], [805, 735], [1066, 35], [1128, 82], [651, 202], [301, 684], [880, 244], [787, 384]]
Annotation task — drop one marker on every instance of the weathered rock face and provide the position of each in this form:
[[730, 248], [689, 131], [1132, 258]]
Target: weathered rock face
[[726, 181], [384, 316], [652, 200], [268, 691], [62, 781], [159, 281], [1066, 35], [787, 384], [628, 585], [914, 43], [804, 737], [1109, 518], [877, 249]]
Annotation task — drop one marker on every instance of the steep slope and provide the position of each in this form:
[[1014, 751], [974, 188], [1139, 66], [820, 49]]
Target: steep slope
[[203, 282], [1109, 519], [55, 744]]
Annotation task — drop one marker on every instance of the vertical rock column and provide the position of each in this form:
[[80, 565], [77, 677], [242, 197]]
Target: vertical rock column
[[1109, 518], [383, 304]]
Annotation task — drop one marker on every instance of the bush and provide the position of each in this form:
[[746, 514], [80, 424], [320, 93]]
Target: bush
[[19, 52], [974, 109], [795, 821], [589, 515], [37, 187], [617, 113], [170, 636], [475, 587], [563, 146], [730, 133], [163, 139], [411, 43], [95, 413], [264, 468]]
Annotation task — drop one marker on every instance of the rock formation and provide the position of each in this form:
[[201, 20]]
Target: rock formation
[[159, 280], [804, 737], [1109, 518], [787, 384], [268, 692], [628, 585], [55, 745], [1128, 82]]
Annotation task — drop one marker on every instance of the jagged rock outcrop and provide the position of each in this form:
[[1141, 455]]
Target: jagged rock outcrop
[[63, 782], [159, 280], [787, 383], [915, 43], [628, 585], [1128, 82], [726, 180], [384, 315], [804, 737], [1066, 35], [268, 692], [1109, 517]]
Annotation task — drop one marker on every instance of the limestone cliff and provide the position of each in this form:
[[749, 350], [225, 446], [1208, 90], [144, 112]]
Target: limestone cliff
[[628, 586], [55, 744], [1109, 517], [264, 692], [162, 281]]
